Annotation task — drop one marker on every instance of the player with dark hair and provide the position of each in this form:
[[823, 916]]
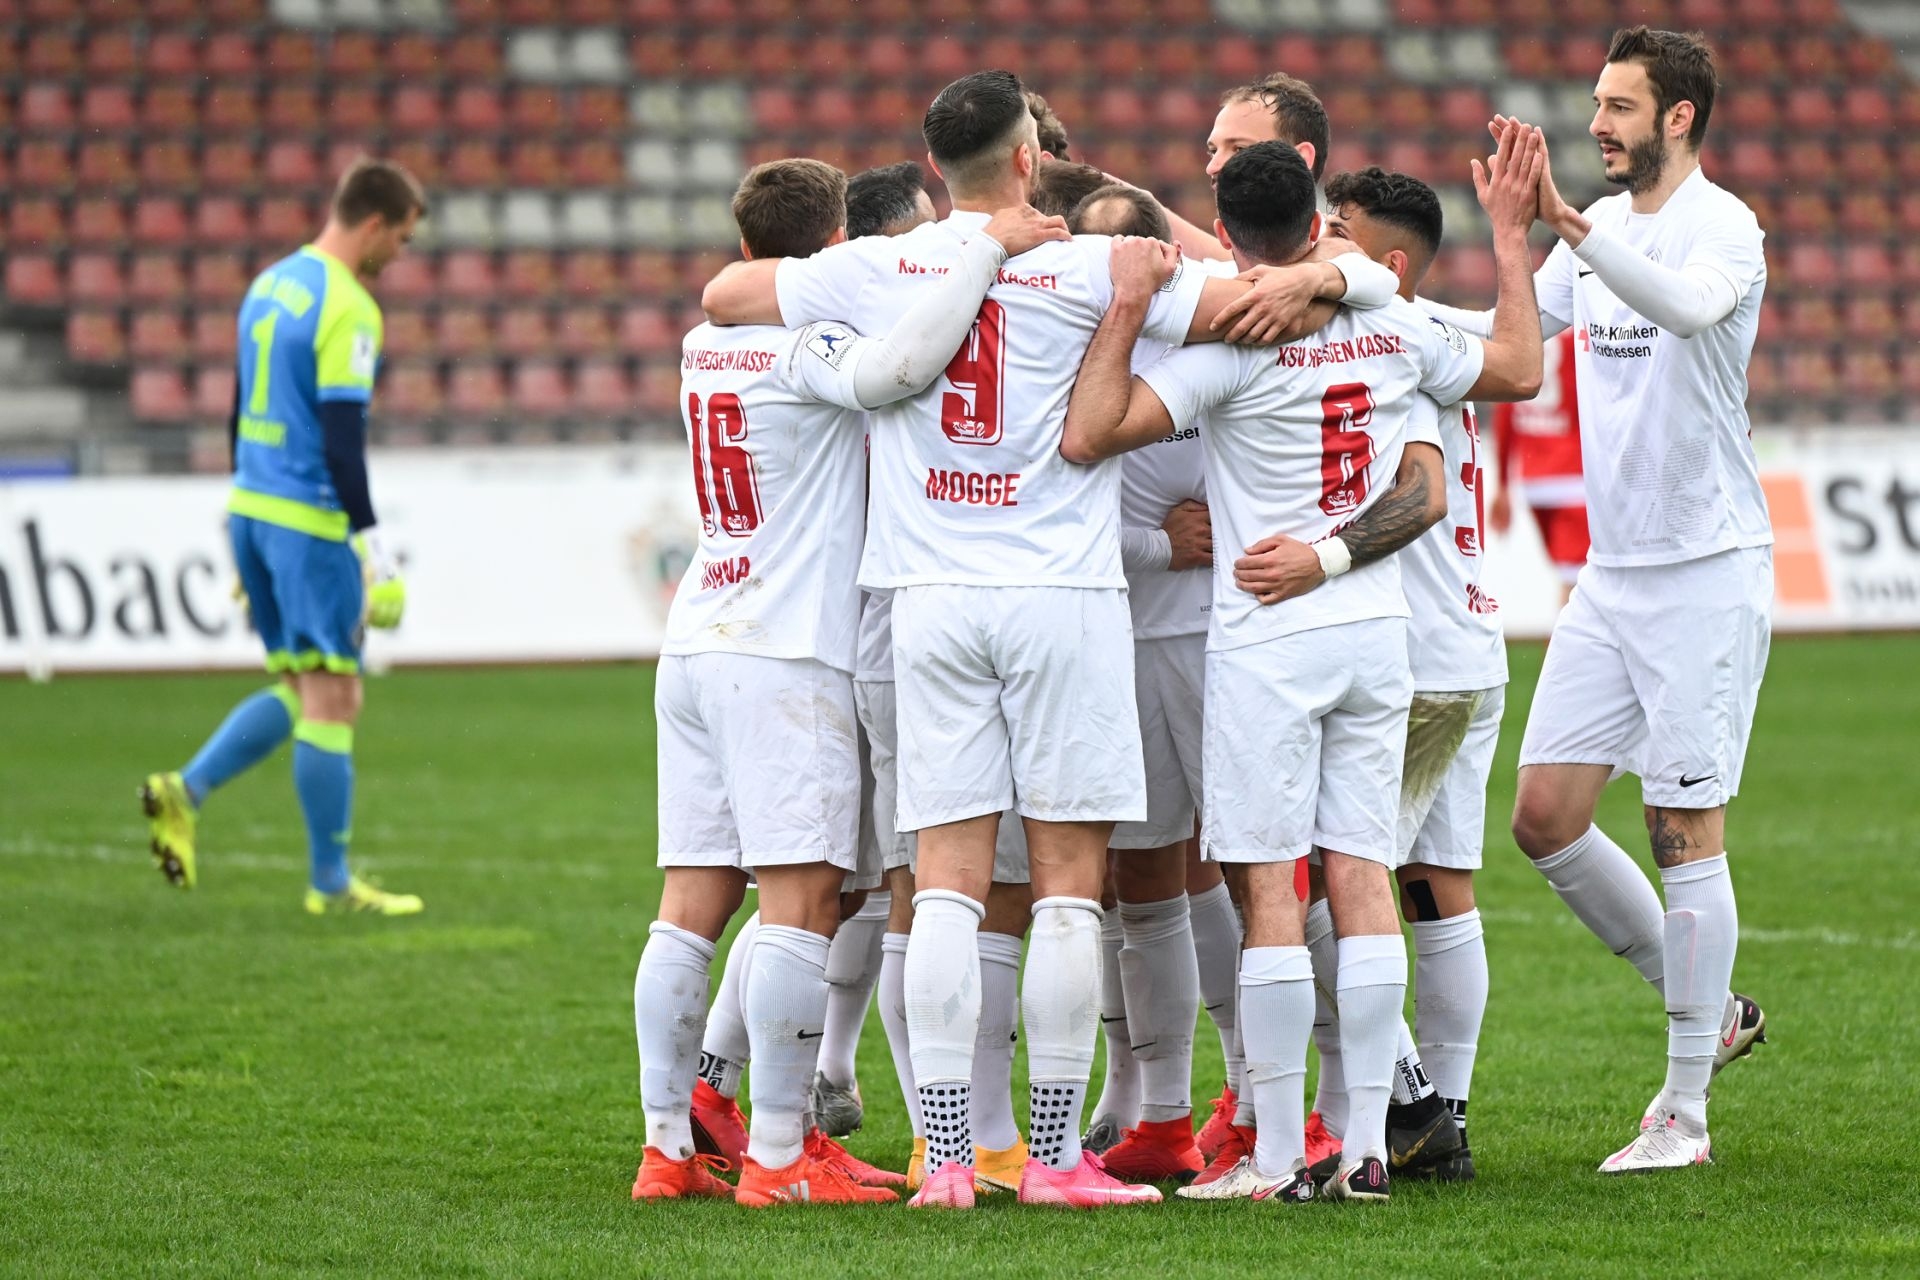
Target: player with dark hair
[[302, 524], [1656, 662], [1052, 135], [1060, 185], [889, 200], [1293, 447]]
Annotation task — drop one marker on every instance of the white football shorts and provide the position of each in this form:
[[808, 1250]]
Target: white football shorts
[[869, 867], [874, 700], [1016, 698], [1443, 798], [1655, 670], [1304, 739], [1169, 683], [758, 764]]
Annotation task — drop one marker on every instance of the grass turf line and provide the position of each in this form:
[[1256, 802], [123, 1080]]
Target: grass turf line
[[213, 1082]]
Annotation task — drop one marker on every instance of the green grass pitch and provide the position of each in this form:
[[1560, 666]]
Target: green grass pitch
[[214, 1083]]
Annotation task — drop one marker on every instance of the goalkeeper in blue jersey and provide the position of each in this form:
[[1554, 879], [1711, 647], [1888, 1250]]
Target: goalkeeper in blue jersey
[[302, 525]]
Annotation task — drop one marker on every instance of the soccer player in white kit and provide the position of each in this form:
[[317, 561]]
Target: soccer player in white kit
[[1656, 662], [1459, 679], [1307, 697], [1012, 643], [754, 699]]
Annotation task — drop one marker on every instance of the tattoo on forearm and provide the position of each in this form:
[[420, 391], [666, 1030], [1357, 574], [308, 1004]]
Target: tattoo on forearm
[[1391, 523], [1668, 839]]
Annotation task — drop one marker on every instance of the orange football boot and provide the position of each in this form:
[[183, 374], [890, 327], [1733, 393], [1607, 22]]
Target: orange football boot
[[661, 1177]]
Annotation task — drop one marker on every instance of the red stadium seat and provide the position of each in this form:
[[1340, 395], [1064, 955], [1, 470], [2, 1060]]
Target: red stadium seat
[[95, 337], [46, 108], [222, 221], [411, 391], [293, 108], [535, 109], [157, 335], [354, 55], [775, 108], [213, 388], [524, 331], [420, 157], [229, 164], [231, 53], [33, 280], [43, 165], [91, 277], [50, 52], [647, 331], [159, 394], [477, 107], [590, 274], [1868, 58], [410, 56], [111, 54], [585, 331], [1405, 108], [407, 332], [535, 162], [462, 332], [108, 107], [1868, 107], [172, 53], [474, 55], [476, 390], [540, 389], [602, 390], [157, 277], [231, 107], [169, 107], [97, 221], [656, 392], [354, 109], [1357, 55], [342, 153], [415, 108], [284, 223], [475, 162], [1810, 107], [238, 12], [654, 55], [291, 55], [596, 163], [292, 166], [213, 335], [219, 277], [168, 164], [469, 275], [526, 273]]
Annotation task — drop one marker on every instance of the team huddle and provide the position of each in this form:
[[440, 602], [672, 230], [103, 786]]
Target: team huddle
[[1030, 614]]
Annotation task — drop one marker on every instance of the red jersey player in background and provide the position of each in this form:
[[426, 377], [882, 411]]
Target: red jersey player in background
[[1537, 448]]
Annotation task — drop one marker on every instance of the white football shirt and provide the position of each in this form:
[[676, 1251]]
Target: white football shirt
[[1670, 471], [1454, 637], [1303, 438], [776, 437], [1153, 481], [968, 485]]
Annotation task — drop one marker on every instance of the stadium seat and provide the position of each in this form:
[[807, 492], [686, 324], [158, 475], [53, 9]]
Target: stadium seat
[[91, 278], [46, 108], [585, 331], [647, 331], [595, 163], [50, 52], [469, 276], [421, 157], [354, 109], [214, 335], [33, 279], [656, 392], [293, 108], [174, 54], [229, 164], [527, 218], [156, 277], [43, 165], [219, 277], [213, 388], [524, 331], [590, 273], [602, 390], [95, 337], [534, 109], [284, 223], [157, 335], [408, 332], [96, 221], [410, 390], [475, 162], [291, 55], [476, 390], [112, 53], [461, 332], [540, 389], [231, 53], [221, 220], [535, 162], [476, 108]]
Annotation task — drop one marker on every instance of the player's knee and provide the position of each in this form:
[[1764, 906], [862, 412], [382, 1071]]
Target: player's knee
[[1540, 826]]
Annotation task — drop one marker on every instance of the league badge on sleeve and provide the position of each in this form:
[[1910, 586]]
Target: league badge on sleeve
[[365, 355], [1455, 339], [831, 343]]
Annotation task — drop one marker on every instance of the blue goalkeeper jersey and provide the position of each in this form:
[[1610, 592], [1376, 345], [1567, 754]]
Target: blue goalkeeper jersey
[[309, 333]]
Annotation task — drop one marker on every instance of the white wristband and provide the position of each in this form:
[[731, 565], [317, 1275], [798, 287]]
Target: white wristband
[[1335, 558]]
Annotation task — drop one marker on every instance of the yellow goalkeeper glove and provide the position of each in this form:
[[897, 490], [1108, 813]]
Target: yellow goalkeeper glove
[[386, 591]]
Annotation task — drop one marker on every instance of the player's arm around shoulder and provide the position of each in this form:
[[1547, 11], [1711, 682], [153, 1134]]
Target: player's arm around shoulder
[[1111, 411]]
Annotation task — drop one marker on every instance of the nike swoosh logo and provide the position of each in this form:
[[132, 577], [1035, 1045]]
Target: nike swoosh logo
[[1148, 1045], [808, 1035], [1105, 1019], [1685, 781], [1210, 1008], [1585, 272]]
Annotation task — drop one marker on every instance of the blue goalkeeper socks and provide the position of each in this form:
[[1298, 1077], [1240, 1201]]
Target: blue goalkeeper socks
[[323, 775], [251, 732]]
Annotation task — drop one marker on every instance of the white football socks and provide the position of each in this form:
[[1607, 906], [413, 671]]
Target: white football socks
[[942, 996], [1702, 934], [853, 966], [1161, 981], [1120, 1088], [1216, 950], [1060, 1008], [1276, 1001], [669, 1006], [1410, 1080], [786, 1002], [993, 1124], [1330, 1090], [1372, 992], [724, 1050], [1244, 1114], [1612, 896], [1450, 999], [893, 1016]]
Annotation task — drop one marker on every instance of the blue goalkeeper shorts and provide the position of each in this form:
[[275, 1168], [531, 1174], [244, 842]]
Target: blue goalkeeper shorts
[[305, 594]]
